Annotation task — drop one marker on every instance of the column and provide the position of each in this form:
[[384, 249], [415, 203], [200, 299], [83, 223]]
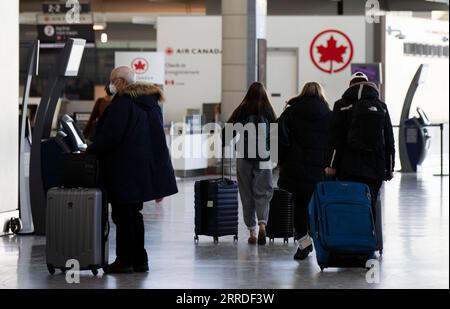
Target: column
[[243, 24], [9, 120]]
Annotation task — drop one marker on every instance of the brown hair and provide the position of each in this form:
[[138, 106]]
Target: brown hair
[[256, 102]]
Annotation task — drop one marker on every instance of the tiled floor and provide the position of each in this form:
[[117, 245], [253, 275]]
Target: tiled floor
[[416, 228]]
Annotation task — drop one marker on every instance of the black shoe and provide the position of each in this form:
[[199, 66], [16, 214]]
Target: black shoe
[[262, 238], [118, 268], [141, 268], [303, 254]]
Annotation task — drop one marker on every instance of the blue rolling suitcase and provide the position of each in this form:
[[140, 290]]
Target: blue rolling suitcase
[[342, 225], [216, 208]]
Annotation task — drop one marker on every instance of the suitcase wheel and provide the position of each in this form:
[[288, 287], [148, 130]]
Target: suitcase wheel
[[381, 252], [286, 241], [321, 268], [236, 238], [216, 239], [196, 239], [51, 269], [94, 271], [272, 240]]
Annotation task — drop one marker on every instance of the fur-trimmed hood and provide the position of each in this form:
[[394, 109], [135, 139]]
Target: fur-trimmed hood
[[137, 90]]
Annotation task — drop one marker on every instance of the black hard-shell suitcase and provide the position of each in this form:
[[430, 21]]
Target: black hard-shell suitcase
[[379, 225], [280, 223], [216, 207]]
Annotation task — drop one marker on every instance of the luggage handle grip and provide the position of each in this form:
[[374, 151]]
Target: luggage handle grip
[[223, 164], [107, 230]]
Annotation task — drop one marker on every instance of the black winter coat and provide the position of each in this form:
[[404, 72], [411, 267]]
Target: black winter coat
[[131, 145], [348, 161], [303, 143]]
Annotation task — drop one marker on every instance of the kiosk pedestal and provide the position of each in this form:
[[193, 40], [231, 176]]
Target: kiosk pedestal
[[67, 66]]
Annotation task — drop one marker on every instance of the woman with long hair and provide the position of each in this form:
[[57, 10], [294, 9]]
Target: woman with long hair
[[254, 168], [303, 144]]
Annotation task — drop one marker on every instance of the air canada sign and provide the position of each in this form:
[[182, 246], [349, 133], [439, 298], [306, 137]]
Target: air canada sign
[[192, 51], [331, 51]]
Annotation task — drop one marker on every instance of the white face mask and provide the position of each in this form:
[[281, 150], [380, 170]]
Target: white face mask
[[112, 88]]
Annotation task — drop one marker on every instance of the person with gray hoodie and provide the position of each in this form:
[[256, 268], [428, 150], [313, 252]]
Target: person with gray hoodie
[[254, 169]]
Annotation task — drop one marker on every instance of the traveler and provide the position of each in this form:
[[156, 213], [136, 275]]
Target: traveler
[[99, 108], [303, 145], [362, 146], [254, 169], [135, 163]]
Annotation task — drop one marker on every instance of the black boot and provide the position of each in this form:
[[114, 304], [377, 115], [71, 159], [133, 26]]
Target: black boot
[[302, 254], [141, 268], [118, 268]]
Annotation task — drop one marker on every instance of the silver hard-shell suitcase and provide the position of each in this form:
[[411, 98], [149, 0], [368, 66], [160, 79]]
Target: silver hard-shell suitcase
[[77, 228]]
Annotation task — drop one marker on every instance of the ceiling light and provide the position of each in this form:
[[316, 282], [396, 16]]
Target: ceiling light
[[104, 37], [99, 27]]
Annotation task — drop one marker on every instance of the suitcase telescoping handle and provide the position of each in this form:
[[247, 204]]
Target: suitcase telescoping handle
[[223, 164]]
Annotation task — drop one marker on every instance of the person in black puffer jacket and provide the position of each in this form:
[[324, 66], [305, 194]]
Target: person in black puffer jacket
[[303, 144], [362, 145]]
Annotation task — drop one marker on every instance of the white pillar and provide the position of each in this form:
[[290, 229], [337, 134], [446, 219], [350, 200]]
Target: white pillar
[[9, 115], [243, 23]]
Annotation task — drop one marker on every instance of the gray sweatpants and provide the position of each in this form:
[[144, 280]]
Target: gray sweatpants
[[256, 190]]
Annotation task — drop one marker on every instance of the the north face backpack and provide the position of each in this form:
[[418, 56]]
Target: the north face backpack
[[367, 126]]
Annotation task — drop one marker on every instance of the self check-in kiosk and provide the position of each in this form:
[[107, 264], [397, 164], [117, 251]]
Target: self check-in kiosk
[[70, 138], [25, 223], [45, 150], [414, 139]]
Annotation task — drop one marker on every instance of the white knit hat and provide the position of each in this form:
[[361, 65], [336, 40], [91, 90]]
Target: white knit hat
[[359, 75]]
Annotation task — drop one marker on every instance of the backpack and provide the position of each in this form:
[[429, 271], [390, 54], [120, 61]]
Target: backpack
[[254, 140], [366, 132]]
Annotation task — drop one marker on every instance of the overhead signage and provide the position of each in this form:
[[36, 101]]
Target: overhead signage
[[60, 19], [60, 33], [58, 8]]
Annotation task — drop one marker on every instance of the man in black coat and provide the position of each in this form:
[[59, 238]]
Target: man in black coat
[[135, 163], [362, 146]]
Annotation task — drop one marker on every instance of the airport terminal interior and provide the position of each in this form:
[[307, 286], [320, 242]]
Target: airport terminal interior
[[56, 58]]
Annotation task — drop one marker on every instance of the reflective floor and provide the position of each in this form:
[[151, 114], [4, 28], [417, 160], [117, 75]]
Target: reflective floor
[[416, 228]]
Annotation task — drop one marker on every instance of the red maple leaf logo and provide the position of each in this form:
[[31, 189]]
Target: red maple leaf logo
[[169, 51], [331, 53], [139, 66]]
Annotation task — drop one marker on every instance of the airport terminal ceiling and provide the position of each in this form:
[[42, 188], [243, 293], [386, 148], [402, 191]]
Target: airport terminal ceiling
[[275, 7]]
